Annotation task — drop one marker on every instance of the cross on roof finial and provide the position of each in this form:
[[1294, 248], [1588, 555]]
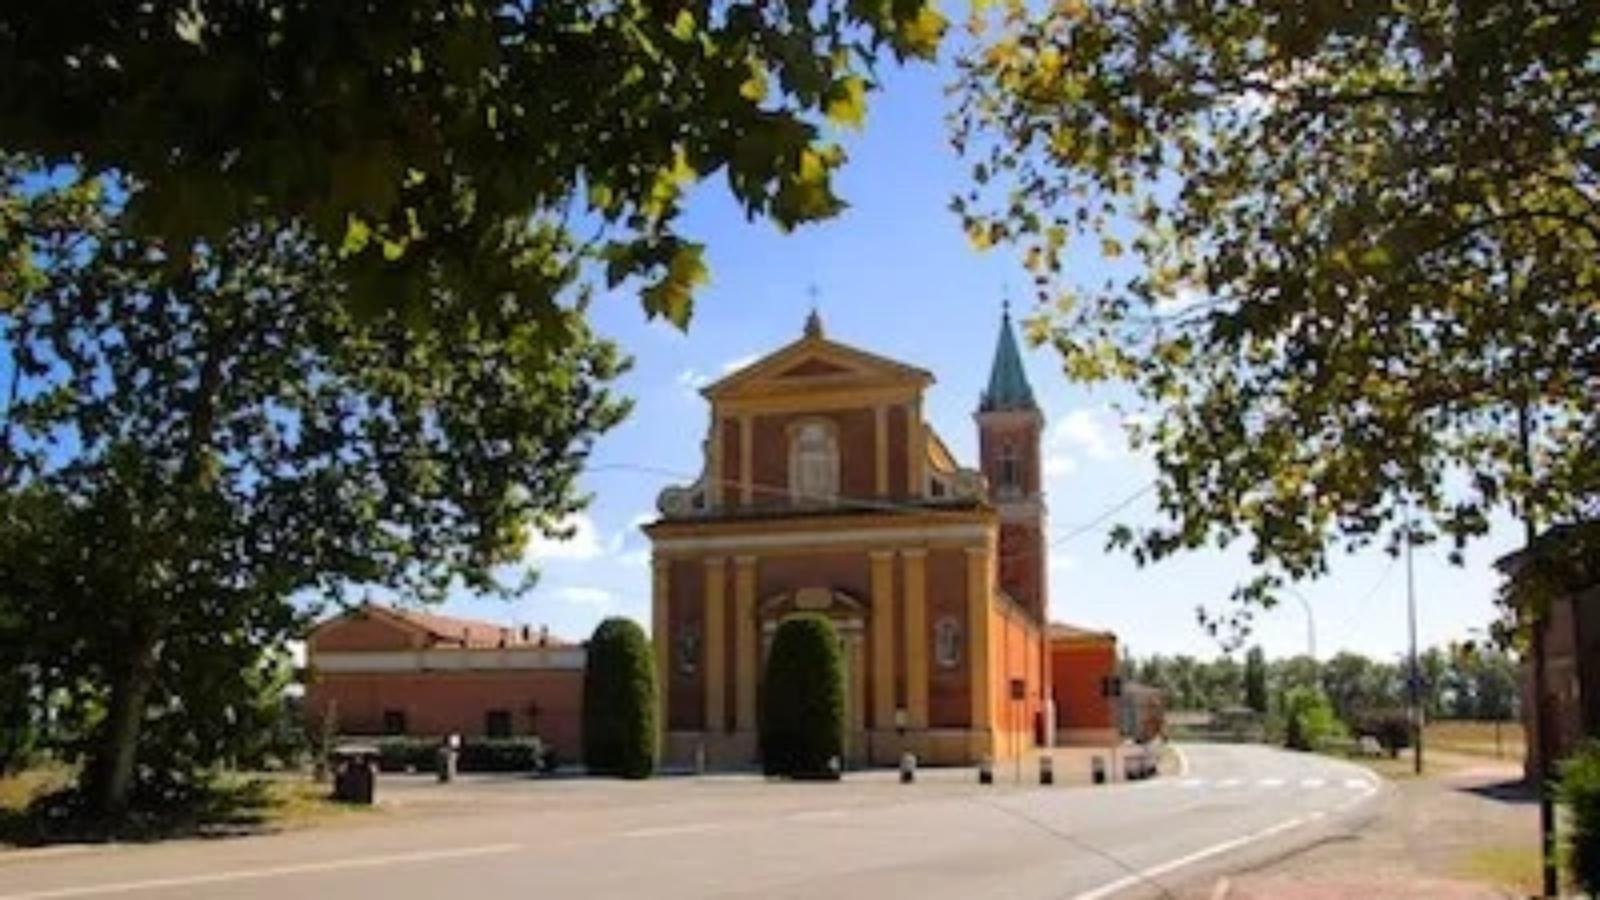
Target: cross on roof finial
[[1005, 299], [814, 320]]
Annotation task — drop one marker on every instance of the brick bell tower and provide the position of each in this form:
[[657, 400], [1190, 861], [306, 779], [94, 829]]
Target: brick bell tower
[[1010, 429]]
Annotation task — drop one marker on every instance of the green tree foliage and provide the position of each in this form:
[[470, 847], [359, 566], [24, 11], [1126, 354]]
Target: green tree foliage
[[1255, 680], [1355, 685], [802, 709], [619, 701], [1580, 792], [1364, 247], [192, 439], [486, 148], [1311, 723]]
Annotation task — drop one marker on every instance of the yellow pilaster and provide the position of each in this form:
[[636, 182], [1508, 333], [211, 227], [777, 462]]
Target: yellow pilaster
[[916, 637], [714, 462], [746, 457], [716, 653], [917, 449], [744, 642], [880, 440], [883, 639], [663, 641], [978, 597]]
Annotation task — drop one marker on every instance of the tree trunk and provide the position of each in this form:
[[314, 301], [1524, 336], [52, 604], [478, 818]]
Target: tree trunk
[[117, 753]]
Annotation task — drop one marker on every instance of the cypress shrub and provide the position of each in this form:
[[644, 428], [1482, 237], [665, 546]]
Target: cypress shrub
[[802, 711], [619, 701], [1580, 791]]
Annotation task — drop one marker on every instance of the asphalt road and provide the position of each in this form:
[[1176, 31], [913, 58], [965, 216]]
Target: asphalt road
[[1229, 808]]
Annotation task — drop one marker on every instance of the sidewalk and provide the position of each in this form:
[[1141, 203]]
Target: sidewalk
[[1468, 834]]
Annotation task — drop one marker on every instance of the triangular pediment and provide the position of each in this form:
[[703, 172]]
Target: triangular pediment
[[814, 368], [814, 362]]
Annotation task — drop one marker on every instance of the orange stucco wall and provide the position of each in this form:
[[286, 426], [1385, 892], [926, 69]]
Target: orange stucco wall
[[1015, 652], [1077, 668], [546, 702]]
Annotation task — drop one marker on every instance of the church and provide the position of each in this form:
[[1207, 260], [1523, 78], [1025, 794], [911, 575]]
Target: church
[[825, 490]]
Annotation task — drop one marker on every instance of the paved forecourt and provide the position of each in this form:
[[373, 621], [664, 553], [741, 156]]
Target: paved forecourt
[[741, 836]]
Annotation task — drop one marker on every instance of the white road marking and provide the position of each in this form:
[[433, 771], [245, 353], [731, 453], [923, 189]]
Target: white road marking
[[1144, 875], [1312, 782], [181, 881], [1230, 782], [1183, 760], [1270, 782], [1358, 784], [1193, 782], [658, 832]]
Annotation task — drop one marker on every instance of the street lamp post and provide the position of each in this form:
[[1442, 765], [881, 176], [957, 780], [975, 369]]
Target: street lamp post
[[1311, 622]]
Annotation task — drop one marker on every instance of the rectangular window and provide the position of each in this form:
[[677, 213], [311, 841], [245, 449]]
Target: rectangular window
[[497, 723], [394, 721]]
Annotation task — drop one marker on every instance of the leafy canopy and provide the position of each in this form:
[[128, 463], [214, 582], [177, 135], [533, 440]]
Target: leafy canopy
[[1352, 253], [485, 146], [191, 440]]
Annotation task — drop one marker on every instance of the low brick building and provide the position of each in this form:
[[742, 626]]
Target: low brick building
[[1082, 662], [384, 671]]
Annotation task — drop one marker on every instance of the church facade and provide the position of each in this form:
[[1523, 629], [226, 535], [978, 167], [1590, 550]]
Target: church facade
[[825, 490]]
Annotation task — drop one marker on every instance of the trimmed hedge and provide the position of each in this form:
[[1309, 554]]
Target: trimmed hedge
[[1391, 728], [1580, 791], [802, 711], [619, 701], [478, 754]]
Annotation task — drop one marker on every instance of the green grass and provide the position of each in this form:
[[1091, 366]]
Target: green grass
[[38, 807], [1514, 868]]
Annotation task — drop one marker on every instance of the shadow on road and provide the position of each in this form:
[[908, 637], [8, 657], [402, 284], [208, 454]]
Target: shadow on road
[[1513, 791]]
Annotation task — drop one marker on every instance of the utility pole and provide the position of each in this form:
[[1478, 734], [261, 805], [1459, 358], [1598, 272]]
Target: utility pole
[[1541, 718], [1415, 681]]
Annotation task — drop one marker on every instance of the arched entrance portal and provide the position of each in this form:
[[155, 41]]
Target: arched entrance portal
[[848, 616]]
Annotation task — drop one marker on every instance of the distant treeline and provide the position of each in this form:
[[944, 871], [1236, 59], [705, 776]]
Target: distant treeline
[[1456, 682]]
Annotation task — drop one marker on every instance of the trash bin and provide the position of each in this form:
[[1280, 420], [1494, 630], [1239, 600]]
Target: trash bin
[[1047, 769], [355, 773], [985, 770], [1097, 768]]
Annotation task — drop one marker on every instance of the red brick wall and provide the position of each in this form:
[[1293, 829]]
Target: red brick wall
[[547, 702], [949, 690], [856, 430], [992, 435], [1076, 671], [899, 452], [685, 609], [848, 572], [1022, 565], [361, 632], [731, 462]]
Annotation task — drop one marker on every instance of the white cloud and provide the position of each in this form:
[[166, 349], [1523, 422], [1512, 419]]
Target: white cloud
[[593, 598], [692, 379], [1088, 431], [635, 558], [582, 545], [734, 365], [1061, 563]]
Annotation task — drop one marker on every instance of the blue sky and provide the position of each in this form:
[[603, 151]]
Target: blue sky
[[895, 275]]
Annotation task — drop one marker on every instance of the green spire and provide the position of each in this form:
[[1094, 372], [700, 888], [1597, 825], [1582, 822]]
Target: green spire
[[1008, 381]]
